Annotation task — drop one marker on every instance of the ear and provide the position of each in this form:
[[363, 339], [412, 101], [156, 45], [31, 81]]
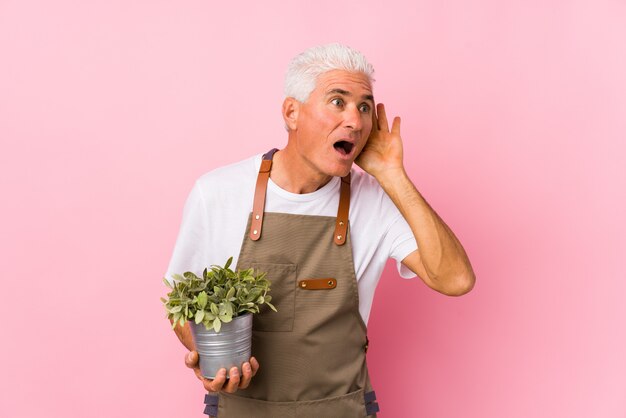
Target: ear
[[291, 108]]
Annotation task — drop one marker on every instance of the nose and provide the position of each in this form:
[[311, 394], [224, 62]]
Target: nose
[[353, 118]]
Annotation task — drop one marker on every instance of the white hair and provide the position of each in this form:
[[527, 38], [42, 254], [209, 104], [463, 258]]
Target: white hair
[[305, 68]]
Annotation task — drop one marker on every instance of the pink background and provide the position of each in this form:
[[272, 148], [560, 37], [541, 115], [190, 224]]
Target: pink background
[[514, 122]]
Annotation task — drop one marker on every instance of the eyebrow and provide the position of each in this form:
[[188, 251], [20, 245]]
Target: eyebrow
[[347, 93]]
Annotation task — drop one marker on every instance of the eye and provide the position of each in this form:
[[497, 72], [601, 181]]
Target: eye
[[364, 108], [337, 101]]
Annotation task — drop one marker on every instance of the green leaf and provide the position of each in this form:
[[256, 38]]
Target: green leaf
[[228, 263], [167, 283], [230, 293], [218, 291], [176, 309], [214, 309], [207, 324], [202, 299], [272, 307], [217, 325], [254, 294], [199, 316]]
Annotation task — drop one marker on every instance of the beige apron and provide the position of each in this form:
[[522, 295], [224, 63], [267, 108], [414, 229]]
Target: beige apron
[[312, 351]]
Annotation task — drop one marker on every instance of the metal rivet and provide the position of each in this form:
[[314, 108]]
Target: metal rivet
[[255, 232], [339, 237], [330, 283], [340, 223], [303, 284], [257, 217]]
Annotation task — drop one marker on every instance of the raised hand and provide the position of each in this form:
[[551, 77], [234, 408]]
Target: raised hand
[[383, 152]]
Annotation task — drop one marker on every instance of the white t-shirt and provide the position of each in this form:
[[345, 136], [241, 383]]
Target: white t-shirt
[[216, 215]]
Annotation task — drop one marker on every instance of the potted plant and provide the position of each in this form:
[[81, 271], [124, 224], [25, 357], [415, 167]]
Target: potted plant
[[219, 307]]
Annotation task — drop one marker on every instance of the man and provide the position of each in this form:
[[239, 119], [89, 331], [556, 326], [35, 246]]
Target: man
[[313, 221]]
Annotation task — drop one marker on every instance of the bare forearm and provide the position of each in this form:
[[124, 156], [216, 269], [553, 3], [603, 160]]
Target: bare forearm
[[441, 253], [184, 335]]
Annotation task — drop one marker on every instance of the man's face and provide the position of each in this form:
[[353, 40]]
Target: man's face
[[334, 123]]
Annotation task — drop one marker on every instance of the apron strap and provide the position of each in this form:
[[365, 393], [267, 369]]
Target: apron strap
[[258, 206], [341, 225]]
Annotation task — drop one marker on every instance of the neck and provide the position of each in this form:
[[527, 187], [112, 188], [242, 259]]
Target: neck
[[295, 175]]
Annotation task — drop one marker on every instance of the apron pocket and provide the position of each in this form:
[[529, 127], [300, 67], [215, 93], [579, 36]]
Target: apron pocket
[[351, 405], [283, 292]]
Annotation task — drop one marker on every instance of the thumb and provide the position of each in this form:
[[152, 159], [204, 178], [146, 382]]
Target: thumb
[[191, 359]]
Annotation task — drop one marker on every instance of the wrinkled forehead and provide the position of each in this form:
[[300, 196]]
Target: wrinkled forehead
[[351, 81]]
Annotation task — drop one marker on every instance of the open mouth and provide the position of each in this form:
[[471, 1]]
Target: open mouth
[[343, 147]]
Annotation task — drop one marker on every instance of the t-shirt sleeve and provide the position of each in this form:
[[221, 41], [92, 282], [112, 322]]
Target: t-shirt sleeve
[[191, 245], [402, 244]]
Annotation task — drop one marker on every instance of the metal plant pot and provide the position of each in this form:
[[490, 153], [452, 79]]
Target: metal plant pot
[[228, 348]]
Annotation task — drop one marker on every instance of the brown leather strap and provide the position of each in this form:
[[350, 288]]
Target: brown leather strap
[[258, 207], [317, 284], [341, 225]]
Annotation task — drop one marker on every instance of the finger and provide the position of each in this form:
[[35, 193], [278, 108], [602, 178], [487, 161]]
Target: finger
[[255, 365], [382, 118], [246, 370], [198, 373], [395, 127], [233, 381], [191, 359], [374, 119], [216, 384], [208, 384]]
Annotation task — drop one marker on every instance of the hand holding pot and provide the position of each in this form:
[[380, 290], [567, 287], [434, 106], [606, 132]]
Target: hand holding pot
[[238, 379]]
